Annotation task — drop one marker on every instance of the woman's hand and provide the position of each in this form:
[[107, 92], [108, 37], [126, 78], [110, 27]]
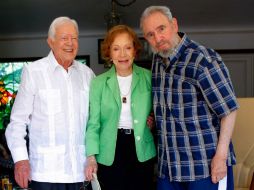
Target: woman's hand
[[91, 167], [150, 121]]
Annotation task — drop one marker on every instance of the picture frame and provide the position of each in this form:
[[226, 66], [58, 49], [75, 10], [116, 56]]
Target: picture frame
[[100, 60], [84, 59], [146, 55]]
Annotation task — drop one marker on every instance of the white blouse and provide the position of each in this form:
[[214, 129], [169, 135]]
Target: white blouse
[[125, 120]]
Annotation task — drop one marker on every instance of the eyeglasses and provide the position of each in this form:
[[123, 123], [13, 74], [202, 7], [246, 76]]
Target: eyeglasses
[[86, 186]]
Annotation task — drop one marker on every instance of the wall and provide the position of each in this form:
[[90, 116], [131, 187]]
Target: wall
[[36, 46], [224, 39]]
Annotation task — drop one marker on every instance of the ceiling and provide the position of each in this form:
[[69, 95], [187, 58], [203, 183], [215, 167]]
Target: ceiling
[[33, 17]]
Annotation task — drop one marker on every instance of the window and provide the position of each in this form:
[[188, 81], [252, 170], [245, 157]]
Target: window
[[10, 74]]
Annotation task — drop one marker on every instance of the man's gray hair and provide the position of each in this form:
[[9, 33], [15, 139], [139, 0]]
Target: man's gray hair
[[59, 21], [152, 9]]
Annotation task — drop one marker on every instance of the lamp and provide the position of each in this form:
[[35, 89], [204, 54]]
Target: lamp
[[113, 18]]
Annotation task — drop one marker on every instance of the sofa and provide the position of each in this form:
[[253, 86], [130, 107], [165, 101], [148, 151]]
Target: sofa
[[243, 140]]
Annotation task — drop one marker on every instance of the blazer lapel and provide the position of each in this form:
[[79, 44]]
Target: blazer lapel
[[113, 85], [135, 78]]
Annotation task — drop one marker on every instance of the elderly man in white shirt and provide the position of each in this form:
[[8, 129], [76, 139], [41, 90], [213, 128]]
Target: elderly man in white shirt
[[52, 100]]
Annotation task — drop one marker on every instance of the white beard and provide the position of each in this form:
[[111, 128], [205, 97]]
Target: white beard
[[167, 53]]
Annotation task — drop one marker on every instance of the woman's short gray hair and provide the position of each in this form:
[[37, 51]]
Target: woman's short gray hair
[[152, 9], [58, 21]]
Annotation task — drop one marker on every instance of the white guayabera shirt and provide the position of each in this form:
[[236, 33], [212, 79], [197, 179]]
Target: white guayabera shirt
[[53, 104]]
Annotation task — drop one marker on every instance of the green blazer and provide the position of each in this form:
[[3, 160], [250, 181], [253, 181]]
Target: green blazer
[[105, 108]]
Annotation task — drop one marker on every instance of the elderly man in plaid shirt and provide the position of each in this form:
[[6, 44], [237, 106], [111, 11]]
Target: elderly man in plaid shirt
[[194, 105]]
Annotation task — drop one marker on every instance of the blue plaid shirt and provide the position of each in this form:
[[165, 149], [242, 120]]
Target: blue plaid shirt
[[190, 94]]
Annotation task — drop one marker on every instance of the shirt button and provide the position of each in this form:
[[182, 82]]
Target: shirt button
[[138, 138], [132, 105], [135, 121]]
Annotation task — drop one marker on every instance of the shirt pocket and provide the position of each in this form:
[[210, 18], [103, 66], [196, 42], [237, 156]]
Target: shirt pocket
[[50, 101], [49, 159], [183, 90]]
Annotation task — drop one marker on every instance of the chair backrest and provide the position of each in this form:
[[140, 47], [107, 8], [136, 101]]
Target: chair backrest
[[243, 140]]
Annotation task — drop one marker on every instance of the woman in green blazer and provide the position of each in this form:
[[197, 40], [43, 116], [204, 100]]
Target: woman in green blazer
[[119, 143]]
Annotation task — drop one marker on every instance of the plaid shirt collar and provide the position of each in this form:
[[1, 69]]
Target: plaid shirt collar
[[177, 51]]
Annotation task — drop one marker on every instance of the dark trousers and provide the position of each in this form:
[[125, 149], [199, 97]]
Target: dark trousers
[[126, 173], [206, 183], [58, 186]]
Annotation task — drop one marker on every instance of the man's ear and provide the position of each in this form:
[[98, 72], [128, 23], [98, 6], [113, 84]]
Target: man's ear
[[50, 43], [175, 24]]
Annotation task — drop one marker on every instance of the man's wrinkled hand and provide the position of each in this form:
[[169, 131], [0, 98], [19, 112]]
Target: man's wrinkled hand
[[22, 173], [218, 169]]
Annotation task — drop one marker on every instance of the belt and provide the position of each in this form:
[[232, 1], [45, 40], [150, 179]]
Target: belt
[[125, 131]]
